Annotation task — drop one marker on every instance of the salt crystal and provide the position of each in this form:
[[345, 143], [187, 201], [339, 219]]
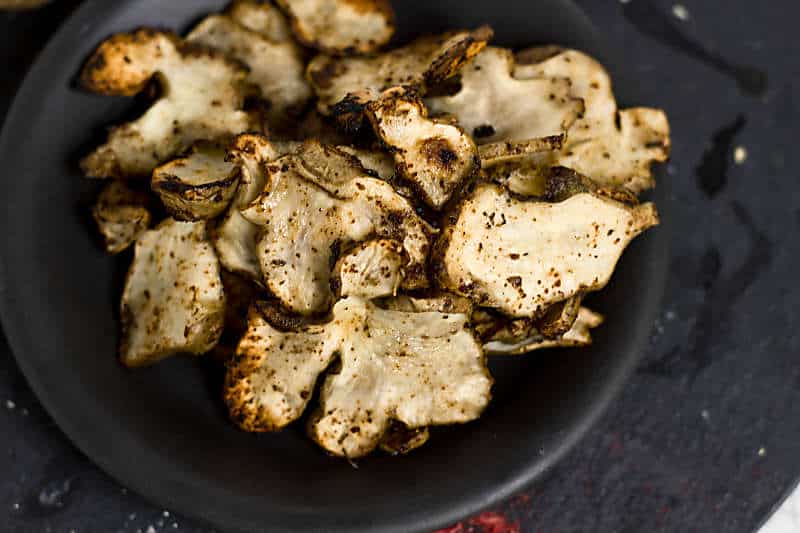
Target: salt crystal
[[739, 155], [762, 452], [10, 405], [680, 12]]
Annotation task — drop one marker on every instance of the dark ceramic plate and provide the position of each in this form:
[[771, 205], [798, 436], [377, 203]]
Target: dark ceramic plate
[[162, 431]]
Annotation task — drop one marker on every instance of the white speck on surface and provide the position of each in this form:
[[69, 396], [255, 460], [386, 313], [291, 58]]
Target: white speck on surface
[[669, 315], [624, 1], [762, 452], [15, 506], [739, 155], [132, 517], [51, 495], [150, 529], [165, 514], [10, 405], [160, 523], [680, 12], [174, 525], [705, 414]]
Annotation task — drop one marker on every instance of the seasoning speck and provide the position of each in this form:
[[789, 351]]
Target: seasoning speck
[[680, 12], [739, 155], [705, 414], [762, 452], [10, 405]]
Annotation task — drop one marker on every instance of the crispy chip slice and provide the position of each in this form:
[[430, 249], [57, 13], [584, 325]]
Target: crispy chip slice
[[318, 200], [276, 68], [261, 17], [202, 97], [493, 106], [614, 147], [416, 368], [578, 335], [521, 256], [173, 300], [352, 82], [341, 26], [373, 269], [235, 237], [198, 186], [435, 158], [121, 214]]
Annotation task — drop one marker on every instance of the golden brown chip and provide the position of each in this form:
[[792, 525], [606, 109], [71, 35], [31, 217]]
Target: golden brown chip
[[352, 82], [341, 26], [614, 147], [198, 186], [121, 215], [435, 158], [202, 97], [520, 256]]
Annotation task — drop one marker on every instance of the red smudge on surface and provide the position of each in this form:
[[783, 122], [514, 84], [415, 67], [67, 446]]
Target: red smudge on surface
[[522, 500], [487, 522], [494, 523]]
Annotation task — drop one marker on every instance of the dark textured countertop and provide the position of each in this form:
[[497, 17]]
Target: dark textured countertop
[[706, 434]]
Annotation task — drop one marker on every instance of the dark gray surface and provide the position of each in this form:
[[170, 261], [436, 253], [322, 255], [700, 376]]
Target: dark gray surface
[[706, 435]]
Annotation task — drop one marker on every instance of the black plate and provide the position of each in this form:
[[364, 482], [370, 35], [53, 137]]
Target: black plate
[[162, 431]]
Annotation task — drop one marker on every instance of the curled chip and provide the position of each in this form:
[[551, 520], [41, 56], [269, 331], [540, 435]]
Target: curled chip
[[420, 369], [276, 68], [521, 256], [318, 200], [494, 106], [235, 237], [614, 147], [435, 158], [578, 335], [199, 186], [373, 269], [351, 82], [439, 301], [173, 300], [202, 97], [416, 368], [121, 215], [502, 152], [400, 439], [261, 17], [341, 26]]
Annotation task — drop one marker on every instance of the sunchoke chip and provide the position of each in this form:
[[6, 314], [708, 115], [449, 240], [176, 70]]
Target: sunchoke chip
[[319, 199], [121, 215], [341, 26], [520, 256], [373, 269], [435, 158], [614, 147], [199, 186], [235, 237], [355, 81], [420, 369], [578, 335], [261, 17], [492, 105], [202, 97], [173, 300], [277, 68]]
